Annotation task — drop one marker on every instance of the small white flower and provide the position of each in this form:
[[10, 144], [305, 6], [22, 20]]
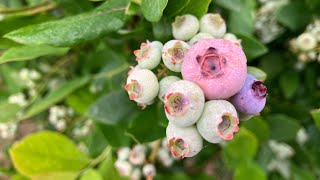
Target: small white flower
[[316, 32], [24, 74], [312, 55], [7, 130], [306, 41], [124, 168], [149, 171], [18, 99], [281, 150], [34, 75], [123, 153], [60, 125], [302, 137], [136, 174], [137, 155], [283, 167]]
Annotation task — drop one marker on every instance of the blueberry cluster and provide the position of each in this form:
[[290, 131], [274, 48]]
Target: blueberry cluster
[[215, 90]]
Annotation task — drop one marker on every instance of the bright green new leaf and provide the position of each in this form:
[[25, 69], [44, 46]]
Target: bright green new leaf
[[91, 174], [250, 171], [73, 30], [47, 152], [153, 9], [56, 96], [257, 73], [8, 111], [316, 117], [252, 47], [56, 175], [196, 7], [22, 53]]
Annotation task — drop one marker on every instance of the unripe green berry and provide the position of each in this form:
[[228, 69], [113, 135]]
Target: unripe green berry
[[199, 37], [185, 26], [173, 53], [213, 24], [164, 84], [149, 54]]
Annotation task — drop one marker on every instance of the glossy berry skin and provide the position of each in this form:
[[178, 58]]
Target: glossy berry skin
[[173, 53], [142, 86], [183, 103], [185, 27], [213, 24], [165, 83], [218, 66], [218, 121], [251, 99], [183, 142], [149, 54]]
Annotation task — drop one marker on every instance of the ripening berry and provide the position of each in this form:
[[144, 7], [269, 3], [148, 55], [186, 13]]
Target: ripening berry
[[123, 153], [149, 171], [199, 37], [173, 53], [218, 121], [183, 141], [149, 54], [137, 155], [213, 24], [164, 84], [142, 86], [183, 103], [218, 66], [251, 99], [184, 27], [124, 168]]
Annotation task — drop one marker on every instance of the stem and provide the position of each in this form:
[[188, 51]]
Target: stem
[[154, 151]]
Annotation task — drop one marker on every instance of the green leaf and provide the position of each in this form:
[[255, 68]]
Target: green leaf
[[91, 174], [197, 8], [74, 6], [114, 135], [175, 7], [22, 53], [8, 111], [250, 171], [47, 152], [112, 108], [56, 175], [11, 78], [252, 47], [241, 149], [291, 16], [232, 5], [162, 30], [289, 83], [257, 73], [153, 9], [282, 127], [259, 127], [81, 100], [301, 174], [316, 117], [148, 121], [95, 142], [75, 29], [56, 96]]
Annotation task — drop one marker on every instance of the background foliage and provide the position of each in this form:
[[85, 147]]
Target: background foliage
[[83, 50]]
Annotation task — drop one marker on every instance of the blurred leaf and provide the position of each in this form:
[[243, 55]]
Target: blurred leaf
[[11, 78], [95, 142], [316, 117], [241, 149], [162, 30], [18, 177], [197, 8], [257, 73], [273, 64], [300, 174], [174, 7], [252, 47], [175, 176], [232, 5], [282, 127], [8, 111], [242, 21], [91, 174], [7, 43], [291, 16], [56, 96], [259, 127], [73, 30], [147, 121], [250, 171], [74, 6], [22, 53], [56, 175], [112, 108], [289, 83], [153, 9], [47, 152], [132, 9], [114, 135], [80, 100]]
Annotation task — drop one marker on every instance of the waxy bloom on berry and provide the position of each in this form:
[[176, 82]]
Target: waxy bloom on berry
[[142, 86], [251, 99], [199, 37], [218, 66], [185, 26], [213, 24], [183, 142], [149, 54], [183, 103], [218, 121], [173, 53], [165, 83]]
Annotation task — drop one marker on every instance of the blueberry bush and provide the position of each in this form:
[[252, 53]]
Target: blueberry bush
[[69, 89]]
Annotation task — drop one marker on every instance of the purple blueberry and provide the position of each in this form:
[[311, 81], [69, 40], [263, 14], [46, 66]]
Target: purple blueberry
[[251, 99]]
